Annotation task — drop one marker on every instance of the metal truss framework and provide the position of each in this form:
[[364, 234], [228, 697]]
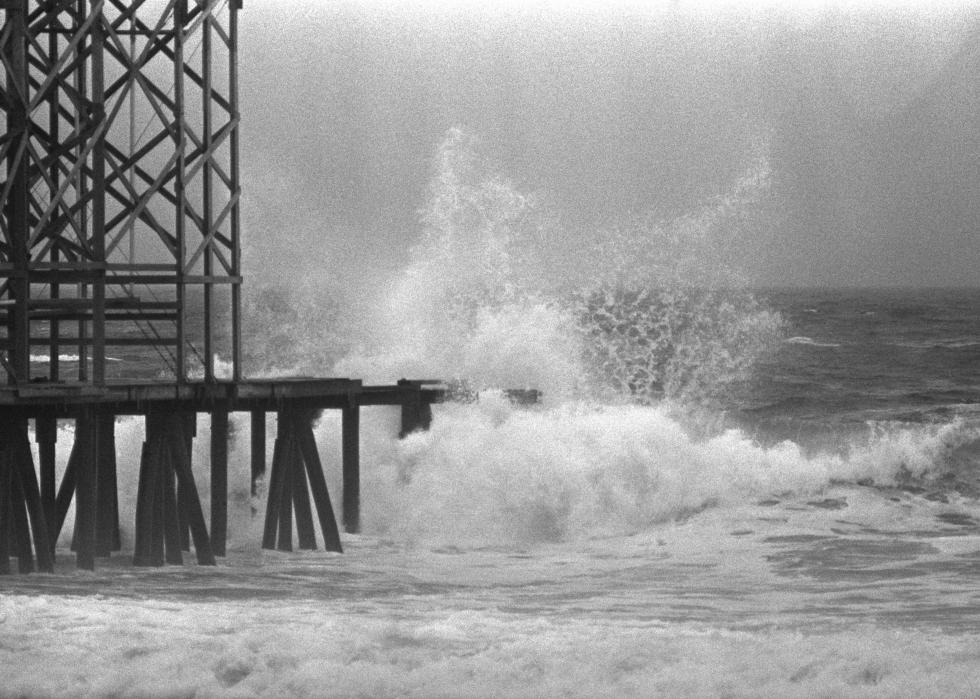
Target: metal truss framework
[[120, 198]]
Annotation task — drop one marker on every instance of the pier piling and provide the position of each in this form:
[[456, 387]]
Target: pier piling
[[168, 513], [296, 474], [166, 457], [351, 430], [219, 479], [416, 413], [107, 537], [22, 519], [258, 446], [46, 436], [85, 492], [5, 530]]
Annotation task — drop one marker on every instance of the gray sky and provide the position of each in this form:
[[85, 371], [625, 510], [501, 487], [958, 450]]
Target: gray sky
[[867, 116]]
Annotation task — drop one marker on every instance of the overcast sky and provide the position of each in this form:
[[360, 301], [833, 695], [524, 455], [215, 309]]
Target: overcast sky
[[867, 118]]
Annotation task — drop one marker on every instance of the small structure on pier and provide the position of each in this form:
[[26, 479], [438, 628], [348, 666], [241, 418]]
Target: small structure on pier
[[120, 235]]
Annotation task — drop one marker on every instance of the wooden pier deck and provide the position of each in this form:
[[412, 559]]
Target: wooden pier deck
[[169, 515]]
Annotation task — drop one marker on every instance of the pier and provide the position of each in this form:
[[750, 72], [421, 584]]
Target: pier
[[169, 514], [120, 231]]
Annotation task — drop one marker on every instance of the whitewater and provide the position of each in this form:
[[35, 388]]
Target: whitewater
[[722, 492]]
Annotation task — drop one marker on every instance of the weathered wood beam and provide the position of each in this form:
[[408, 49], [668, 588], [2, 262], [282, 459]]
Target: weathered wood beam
[[21, 452], [46, 436], [351, 427], [192, 502], [258, 446], [274, 496], [107, 537], [301, 499], [85, 494], [219, 479], [318, 486], [285, 541]]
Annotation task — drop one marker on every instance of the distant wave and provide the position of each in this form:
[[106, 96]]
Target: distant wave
[[803, 340], [952, 344], [43, 358]]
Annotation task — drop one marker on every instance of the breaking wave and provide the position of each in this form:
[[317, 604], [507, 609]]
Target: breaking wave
[[491, 472], [497, 297], [634, 351]]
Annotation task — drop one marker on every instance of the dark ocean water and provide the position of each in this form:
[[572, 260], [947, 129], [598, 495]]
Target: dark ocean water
[[852, 357], [829, 545]]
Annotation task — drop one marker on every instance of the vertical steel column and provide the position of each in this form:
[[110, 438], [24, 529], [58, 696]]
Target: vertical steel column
[[98, 202], [17, 199], [54, 130], [207, 205], [82, 184], [236, 289], [180, 14]]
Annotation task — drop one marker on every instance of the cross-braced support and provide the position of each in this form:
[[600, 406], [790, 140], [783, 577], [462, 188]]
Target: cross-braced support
[[22, 516], [89, 479], [167, 496], [119, 186], [294, 459]]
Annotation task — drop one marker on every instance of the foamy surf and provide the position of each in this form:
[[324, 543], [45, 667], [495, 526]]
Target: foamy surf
[[273, 649], [640, 531]]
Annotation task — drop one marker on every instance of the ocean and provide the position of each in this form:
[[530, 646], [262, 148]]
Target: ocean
[[723, 491], [820, 538]]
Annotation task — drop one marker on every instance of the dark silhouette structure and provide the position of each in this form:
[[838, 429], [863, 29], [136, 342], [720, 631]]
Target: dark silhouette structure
[[119, 228]]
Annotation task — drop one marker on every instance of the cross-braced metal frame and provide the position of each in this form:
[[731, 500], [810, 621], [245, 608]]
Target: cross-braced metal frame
[[120, 199]]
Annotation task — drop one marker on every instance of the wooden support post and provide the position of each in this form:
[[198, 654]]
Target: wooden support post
[[22, 535], [219, 479], [275, 488], [168, 511], [352, 468], [92, 465], [66, 491], [285, 542], [23, 516], [85, 493], [416, 412], [46, 436], [107, 497], [157, 522], [32, 501], [258, 446], [295, 448], [318, 485], [5, 520], [410, 407], [162, 467], [192, 503], [145, 494], [183, 527], [301, 498], [190, 431]]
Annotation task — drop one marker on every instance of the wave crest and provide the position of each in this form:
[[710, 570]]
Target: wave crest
[[489, 473]]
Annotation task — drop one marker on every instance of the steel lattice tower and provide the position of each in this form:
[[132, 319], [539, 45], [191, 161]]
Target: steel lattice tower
[[120, 190]]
